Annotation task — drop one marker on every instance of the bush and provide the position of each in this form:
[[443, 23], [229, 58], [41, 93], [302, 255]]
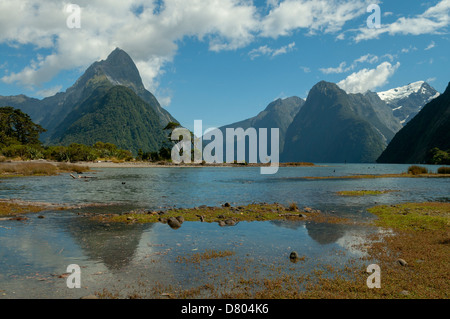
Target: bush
[[444, 170], [25, 152], [293, 207], [416, 170]]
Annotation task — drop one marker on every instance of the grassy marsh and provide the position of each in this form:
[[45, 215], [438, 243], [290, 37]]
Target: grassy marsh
[[16, 169]]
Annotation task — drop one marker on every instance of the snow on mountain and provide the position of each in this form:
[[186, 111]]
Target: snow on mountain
[[408, 100], [402, 92]]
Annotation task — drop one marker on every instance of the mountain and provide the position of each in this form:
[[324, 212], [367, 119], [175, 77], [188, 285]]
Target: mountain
[[408, 100], [113, 115], [427, 130], [336, 127], [278, 114], [117, 69]]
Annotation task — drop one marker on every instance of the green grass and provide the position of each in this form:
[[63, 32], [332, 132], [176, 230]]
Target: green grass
[[413, 216]]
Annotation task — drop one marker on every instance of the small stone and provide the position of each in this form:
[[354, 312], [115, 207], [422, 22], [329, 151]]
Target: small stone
[[173, 223], [162, 220], [230, 222], [180, 219], [226, 205], [41, 217], [402, 262], [404, 292], [293, 255]]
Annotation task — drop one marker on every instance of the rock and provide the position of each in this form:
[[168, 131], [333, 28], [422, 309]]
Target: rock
[[41, 217], [308, 209], [222, 223], [180, 219], [402, 262], [221, 217], [162, 220], [302, 215], [230, 222], [404, 292], [161, 212], [130, 218], [202, 218], [173, 223], [294, 255], [226, 205]]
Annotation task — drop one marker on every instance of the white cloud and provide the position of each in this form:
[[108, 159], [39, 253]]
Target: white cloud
[[305, 69], [315, 16], [368, 58], [49, 92], [432, 21], [267, 51], [340, 69], [368, 79], [151, 38], [430, 46]]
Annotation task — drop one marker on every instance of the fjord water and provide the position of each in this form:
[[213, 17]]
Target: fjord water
[[35, 252]]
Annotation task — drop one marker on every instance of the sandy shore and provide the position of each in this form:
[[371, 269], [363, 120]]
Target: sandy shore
[[109, 164]]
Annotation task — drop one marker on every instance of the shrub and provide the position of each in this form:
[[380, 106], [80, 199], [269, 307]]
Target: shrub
[[293, 207], [416, 170], [444, 170]]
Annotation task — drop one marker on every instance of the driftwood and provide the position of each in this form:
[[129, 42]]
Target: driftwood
[[81, 177]]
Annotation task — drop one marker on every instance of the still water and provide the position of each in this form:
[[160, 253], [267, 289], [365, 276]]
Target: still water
[[127, 258]]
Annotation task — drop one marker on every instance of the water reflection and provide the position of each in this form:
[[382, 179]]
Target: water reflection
[[324, 233], [112, 244]]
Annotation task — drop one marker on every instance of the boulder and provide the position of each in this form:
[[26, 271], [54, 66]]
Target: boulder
[[173, 223]]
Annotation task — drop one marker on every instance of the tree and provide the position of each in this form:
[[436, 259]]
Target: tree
[[17, 127]]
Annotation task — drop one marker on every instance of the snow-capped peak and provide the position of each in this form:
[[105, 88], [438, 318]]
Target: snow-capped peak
[[402, 92]]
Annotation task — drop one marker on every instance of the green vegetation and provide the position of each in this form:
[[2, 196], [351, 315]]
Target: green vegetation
[[444, 170], [438, 157], [115, 115], [17, 127], [19, 140], [252, 212], [417, 170], [12, 209], [414, 217]]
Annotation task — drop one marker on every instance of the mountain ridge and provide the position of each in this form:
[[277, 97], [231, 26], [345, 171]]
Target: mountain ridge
[[427, 130]]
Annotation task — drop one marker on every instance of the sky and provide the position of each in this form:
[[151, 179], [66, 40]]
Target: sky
[[222, 61]]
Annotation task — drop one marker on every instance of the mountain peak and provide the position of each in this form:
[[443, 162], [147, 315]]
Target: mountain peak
[[120, 69], [119, 55]]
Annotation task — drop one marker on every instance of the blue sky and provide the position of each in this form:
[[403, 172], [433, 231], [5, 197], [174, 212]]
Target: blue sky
[[222, 61]]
